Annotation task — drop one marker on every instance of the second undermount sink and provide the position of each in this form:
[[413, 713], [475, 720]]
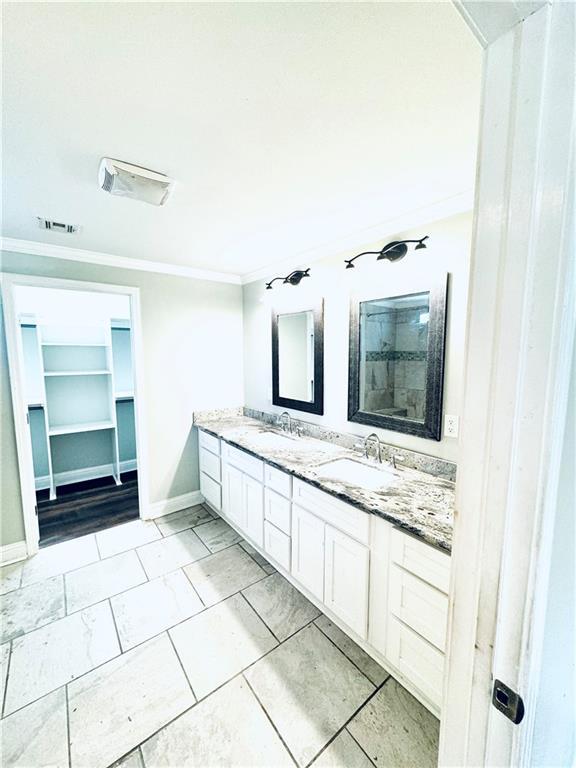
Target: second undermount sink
[[356, 473]]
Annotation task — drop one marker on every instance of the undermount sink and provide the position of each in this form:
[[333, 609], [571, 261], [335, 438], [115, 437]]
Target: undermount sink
[[273, 440], [356, 473]]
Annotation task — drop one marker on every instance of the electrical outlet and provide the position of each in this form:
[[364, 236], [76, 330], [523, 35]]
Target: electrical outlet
[[450, 426]]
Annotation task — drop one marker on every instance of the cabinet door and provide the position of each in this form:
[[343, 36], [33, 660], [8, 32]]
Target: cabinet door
[[253, 509], [308, 551], [234, 506], [346, 579]]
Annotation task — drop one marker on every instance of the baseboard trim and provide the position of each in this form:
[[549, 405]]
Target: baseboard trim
[[175, 504], [81, 475], [12, 553]]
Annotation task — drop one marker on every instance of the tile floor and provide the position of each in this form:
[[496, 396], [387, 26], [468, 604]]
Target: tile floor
[[174, 643]]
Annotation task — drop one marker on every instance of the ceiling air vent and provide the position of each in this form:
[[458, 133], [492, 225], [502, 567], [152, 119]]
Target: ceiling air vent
[[133, 181], [57, 226]]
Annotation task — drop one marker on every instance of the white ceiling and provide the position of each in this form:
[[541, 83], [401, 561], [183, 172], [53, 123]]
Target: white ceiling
[[289, 127]]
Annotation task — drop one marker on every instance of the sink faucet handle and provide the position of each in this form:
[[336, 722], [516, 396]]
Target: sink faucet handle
[[397, 457]]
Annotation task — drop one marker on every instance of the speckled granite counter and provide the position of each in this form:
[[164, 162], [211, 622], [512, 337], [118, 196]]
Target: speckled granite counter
[[417, 502]]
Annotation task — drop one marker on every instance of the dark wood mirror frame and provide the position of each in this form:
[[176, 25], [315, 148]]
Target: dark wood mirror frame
[[312, 406], [431, 428]]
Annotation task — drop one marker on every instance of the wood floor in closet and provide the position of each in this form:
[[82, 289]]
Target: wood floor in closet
[[88, 507]]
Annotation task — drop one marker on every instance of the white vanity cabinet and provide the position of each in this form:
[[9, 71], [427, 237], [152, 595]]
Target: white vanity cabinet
[[210, 470], [409, 583], [330, 556], [243, 492], [387, 588]]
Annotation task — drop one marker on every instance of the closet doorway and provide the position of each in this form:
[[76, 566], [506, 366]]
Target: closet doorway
[[74, 362]]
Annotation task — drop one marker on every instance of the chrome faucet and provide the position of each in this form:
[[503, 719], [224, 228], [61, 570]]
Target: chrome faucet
[[282, 423], [367, 441]]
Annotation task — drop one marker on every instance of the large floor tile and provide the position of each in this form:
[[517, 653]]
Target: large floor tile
[[343, 752], [365, 663], [132, 760], [395, 730], [59, 652], [10, 577], [217, 535], [115, 707], [153, 607], [31, 607], [60, 558], [173, 552], [180, 521], [222, 574], [4, 660], [254, 554], [37, 736], [220, 642], [309, 689], [280, 605], [227, 729], [126, 536], [103, 579]]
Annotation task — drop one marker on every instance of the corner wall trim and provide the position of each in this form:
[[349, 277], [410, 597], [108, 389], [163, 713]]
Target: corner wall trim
[[35, 248], [175, 504], [12, 553]]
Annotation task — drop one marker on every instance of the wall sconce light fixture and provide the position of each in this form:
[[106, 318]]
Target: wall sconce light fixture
[[292, 279], [393, 251]]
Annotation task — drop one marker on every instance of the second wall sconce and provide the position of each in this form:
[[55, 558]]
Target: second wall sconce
[[393, 251], [292, 279]]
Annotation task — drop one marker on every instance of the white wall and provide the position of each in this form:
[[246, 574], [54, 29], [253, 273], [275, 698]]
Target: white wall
[[448, 251]]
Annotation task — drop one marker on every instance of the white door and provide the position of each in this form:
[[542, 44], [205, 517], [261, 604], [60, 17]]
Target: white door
[[308, 551], [346, 579], [234, 506], [253, 509]]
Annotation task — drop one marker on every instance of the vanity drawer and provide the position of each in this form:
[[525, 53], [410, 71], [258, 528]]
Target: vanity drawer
[[279, 481], [277, 545], [419, 558], [422, 607], [209, 442], [211, 490], [277, 510], [250, 465], [210, 464], [343, 516], [416, 659]]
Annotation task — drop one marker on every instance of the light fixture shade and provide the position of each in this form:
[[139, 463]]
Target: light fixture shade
[[132, 181]]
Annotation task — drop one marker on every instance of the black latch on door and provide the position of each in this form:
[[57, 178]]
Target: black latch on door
[[508, 702]]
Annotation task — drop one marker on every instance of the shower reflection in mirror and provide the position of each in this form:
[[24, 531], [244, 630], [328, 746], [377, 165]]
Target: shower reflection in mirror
[[396, 361]]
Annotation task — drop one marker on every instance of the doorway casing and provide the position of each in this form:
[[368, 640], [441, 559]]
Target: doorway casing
[[19, 405]]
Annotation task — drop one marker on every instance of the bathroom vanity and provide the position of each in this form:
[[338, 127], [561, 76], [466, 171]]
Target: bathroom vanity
[[368, 544]]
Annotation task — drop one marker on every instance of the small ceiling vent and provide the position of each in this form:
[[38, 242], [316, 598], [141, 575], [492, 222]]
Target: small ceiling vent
[[133, 181], [57, 226]]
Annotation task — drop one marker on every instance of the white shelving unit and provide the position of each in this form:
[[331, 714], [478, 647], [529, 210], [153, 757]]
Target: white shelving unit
[[76, 393]]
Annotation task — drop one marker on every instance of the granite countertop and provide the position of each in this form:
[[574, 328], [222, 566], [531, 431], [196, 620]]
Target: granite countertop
[[415, 501]]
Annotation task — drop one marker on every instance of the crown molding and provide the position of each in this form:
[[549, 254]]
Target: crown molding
[[442, 209], [36, 248]]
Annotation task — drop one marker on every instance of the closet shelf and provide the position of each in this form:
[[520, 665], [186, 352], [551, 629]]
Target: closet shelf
[[74, 344], [68, 429], [77, 373]]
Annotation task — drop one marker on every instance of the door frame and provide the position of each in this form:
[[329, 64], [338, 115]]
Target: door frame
[[520, 336], [19, 405]]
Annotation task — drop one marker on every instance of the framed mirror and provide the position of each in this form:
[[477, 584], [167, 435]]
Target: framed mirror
[[396, 363], [298, 359]]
